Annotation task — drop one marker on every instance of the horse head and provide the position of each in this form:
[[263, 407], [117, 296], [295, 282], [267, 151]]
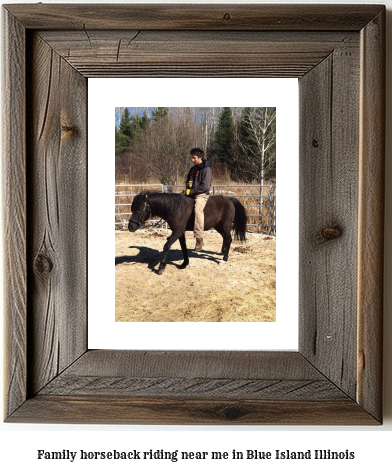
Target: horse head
[[141, 211]]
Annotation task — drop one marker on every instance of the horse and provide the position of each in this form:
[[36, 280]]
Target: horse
[[221, 213]]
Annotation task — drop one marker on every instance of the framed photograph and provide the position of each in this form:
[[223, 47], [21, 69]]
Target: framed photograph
[[198, 196], [337, 53], [245, 289]]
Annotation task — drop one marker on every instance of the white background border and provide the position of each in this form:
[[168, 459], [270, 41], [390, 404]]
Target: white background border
[[104, 96]]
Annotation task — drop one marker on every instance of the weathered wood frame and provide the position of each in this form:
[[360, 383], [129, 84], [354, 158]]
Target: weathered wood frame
[[337, 52]]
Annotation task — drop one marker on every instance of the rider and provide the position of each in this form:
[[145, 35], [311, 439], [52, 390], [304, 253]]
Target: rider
[[198, 184]]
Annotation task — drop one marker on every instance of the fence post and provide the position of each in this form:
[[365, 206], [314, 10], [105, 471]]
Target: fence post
[[273, 212], [261, 208], [269, 213]]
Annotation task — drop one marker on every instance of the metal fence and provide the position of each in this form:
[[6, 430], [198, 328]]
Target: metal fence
[[259, 202]]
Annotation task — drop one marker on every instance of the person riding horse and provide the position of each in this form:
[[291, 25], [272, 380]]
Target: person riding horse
[[198, 183]]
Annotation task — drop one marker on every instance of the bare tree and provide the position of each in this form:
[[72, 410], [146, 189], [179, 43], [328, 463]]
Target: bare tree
[[208, 116], [163, 147], [257, 142]]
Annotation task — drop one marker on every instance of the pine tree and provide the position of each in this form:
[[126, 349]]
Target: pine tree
[[126, 123], [121, 142], [223, 145], [159, 112]]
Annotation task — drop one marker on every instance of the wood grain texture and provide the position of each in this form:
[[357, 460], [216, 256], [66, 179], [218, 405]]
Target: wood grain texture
[[155, 411], [335, 378], [192, 387], [194, 17], [203, 374], [57, 211], [329, 97], [371, 216], [203, 388], [201, 364], [14, 212], [193, 53]]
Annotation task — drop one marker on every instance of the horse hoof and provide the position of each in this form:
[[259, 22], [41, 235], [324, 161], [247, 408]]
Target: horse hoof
[[160, 270]]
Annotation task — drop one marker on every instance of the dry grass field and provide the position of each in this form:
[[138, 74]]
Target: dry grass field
[[208, 290]]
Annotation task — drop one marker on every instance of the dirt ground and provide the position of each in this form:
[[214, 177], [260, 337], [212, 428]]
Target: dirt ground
[[208, 290]]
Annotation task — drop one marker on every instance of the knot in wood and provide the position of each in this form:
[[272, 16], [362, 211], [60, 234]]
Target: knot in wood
[[69, 128], [328, 233], [232, 413], [227, 16], [43, 264], [315, 143]]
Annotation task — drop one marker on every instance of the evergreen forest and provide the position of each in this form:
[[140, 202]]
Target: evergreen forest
[[152, 144]]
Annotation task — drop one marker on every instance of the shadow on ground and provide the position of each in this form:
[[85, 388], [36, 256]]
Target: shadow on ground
[[152, 257]]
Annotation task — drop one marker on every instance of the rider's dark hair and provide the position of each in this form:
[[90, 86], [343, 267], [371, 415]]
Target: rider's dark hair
[[198, 152]]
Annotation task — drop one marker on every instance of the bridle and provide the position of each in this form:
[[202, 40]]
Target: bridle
[[142, 213]]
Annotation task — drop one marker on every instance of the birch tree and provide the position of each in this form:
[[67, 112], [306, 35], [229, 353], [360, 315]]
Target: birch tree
[[257, 143]]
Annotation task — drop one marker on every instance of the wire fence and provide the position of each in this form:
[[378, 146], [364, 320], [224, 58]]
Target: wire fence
[[259, 202]]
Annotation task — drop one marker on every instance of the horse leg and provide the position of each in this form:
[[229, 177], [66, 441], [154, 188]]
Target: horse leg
[[170, 241], [220, 230], [184, 249], [226, 245], [225, 231]]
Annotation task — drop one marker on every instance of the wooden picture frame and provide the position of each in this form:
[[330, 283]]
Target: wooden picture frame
[[337, 52]]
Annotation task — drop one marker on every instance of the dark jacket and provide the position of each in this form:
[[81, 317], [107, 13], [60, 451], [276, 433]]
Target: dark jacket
[[201, 176]]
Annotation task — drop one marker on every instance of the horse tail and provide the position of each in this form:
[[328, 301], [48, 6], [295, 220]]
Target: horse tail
[[240, 220]]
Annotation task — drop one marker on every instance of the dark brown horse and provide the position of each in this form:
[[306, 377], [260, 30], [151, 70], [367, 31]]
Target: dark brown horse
[[221, 213]]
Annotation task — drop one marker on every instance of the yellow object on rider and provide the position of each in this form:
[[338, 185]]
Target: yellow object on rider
[[187, 192], [190, 184]]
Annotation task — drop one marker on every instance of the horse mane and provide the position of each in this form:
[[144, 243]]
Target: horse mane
[[163, 204]]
